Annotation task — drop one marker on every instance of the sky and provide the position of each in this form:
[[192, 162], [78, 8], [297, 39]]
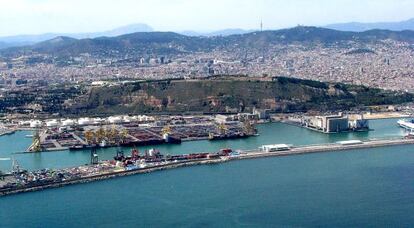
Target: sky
[[76, 16]]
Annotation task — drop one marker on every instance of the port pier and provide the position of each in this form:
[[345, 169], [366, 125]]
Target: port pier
[[212, 158]]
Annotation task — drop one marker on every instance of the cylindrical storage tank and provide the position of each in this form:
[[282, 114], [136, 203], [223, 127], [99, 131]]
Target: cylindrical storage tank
[[52, 123], [115, 119], [68, 122], [35, 124], [98, 120], [84, 121], [127, 119]]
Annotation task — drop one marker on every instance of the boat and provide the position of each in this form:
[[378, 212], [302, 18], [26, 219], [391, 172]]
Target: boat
[[227, 136], [170, 139], [406, 124], [82, 147], [76, 147], [104, 144], [410, 134]]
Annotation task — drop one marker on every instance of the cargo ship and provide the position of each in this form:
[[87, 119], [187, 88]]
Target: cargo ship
[[213, 136], [130, 143], [171, 139]]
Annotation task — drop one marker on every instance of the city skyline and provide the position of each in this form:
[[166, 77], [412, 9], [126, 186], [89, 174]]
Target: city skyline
[[62, 16]]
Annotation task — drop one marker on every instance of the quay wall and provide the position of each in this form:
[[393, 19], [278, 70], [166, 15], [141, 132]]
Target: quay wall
[[111, 175], [324, 148], [252, 154]]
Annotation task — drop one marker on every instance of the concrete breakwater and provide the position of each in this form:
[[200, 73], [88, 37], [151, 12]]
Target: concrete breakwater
[[111, 175], [324, 148], [7, 131], [243, 155]]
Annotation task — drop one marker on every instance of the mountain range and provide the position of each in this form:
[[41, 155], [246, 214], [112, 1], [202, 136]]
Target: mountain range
[[169, 43], [224, 32], [24, 40], [360, 27]]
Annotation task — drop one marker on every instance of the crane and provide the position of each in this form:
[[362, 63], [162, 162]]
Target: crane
[[94, 156], [36, 142], [166, 130], [124, 134], [15, 166], [249, 128], [90, 137], [113, 135], [1, 172], [222, 128], [100, 134]]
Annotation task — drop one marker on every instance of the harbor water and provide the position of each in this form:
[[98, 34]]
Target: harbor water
[[367, 187], [272, 133]]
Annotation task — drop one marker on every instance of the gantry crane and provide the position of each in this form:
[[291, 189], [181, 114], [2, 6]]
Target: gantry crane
[[36, 147], [222, 128], [249, 127], [124, 134], [90, 137], [166, 130]]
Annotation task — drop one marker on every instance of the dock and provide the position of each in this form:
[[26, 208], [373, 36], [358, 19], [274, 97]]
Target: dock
[[249, 154], [7, 131], [127, 135], [110, 171]]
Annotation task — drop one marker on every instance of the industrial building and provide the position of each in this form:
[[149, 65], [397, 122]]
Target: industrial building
[[335, 123], [275, 148]]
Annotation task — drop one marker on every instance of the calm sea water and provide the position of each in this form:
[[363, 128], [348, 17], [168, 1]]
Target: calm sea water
[[364, 188]]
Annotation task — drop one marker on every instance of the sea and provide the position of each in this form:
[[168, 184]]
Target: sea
[[356, 188]]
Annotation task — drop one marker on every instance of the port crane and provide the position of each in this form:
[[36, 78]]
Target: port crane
[[100, 134], [113, 136], [249, 127], [36, 147], [222, 130], [135, 153], [1, 172], [15, 166], [124, 134], [166, 130], [90, 137], [94, 156]]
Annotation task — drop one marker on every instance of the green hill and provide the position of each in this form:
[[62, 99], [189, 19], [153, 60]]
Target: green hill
[[213, 96]]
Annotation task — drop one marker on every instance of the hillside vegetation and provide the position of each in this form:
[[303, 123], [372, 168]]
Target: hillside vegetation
[[213, 96]]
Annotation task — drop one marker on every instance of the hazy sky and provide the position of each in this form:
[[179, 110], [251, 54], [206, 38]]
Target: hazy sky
[[67, 16]]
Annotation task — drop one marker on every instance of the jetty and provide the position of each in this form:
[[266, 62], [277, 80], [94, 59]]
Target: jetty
[[19, 183], [7, 131]]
